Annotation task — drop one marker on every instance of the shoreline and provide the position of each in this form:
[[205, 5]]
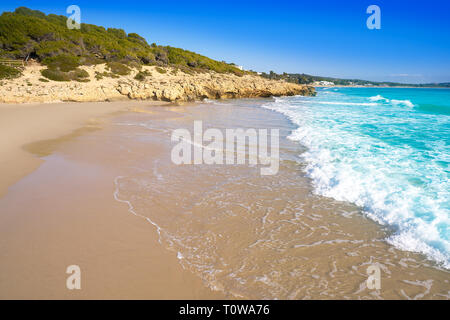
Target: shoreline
[[24, 124], [166, 84]]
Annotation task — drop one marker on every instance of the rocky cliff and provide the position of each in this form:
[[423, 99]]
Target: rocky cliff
[[157, 84]]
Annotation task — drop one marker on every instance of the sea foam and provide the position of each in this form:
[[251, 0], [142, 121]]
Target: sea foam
[[396, 102]]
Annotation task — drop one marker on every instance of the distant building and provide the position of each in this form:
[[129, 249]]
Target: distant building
[[235, 65], [323, 83]]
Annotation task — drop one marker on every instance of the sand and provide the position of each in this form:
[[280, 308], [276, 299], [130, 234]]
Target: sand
[[59, 216], [26, 123]]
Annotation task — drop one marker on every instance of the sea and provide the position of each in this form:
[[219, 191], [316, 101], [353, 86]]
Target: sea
[[387, 150]]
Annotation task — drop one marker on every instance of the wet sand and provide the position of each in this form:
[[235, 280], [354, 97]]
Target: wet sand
[[46, 124], [111, 201]]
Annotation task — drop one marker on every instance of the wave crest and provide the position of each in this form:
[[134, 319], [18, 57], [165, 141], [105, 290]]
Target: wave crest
[[394, 102]]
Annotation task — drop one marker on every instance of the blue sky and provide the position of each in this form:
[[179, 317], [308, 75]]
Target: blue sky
[[328, 38]]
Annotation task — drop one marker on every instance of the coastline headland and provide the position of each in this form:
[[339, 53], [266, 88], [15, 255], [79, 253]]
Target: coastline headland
[[155, 83]]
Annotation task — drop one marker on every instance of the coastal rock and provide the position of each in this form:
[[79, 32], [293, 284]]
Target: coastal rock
[[171, 86]]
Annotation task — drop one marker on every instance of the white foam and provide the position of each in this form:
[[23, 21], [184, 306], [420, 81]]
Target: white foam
[[394, 102], [407, 103], [131, 208], [378, 98], [347, 103]]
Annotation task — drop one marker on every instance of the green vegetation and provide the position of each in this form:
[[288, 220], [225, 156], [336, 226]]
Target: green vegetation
[[99, 76], [190, 59], [7, 72], [161, 70], [64, 68], [64, 63], [31, 34], [57, 75], [118, 68], [142, 75]]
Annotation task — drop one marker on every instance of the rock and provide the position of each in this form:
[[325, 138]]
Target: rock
[[163, 87]]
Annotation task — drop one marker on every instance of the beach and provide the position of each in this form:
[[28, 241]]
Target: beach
[[93, 184]]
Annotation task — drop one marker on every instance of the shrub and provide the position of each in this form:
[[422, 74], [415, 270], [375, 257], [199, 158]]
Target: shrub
[[118, 33], [7, 72], [187, 70], [79, 75], [62, 63], [43, 80], [133, 64], [137, 38], [57, 75], [89, 60], [160, 70], [28, 12], [118, 68], [99, 75], [194, 60], [141, 75], [51, 48], [32, 33]]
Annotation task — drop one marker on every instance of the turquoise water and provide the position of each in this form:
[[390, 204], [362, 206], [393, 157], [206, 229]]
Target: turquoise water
[[386, 150]]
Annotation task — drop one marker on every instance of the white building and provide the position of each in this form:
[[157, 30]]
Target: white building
[[323, 83]]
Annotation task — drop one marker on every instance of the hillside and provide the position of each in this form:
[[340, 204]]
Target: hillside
[[30, 34], [98, 64]]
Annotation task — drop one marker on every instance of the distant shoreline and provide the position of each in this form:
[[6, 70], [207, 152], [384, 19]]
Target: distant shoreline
[[396, 87]]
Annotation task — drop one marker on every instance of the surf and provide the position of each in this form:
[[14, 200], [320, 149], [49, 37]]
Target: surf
[[378, 149]]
